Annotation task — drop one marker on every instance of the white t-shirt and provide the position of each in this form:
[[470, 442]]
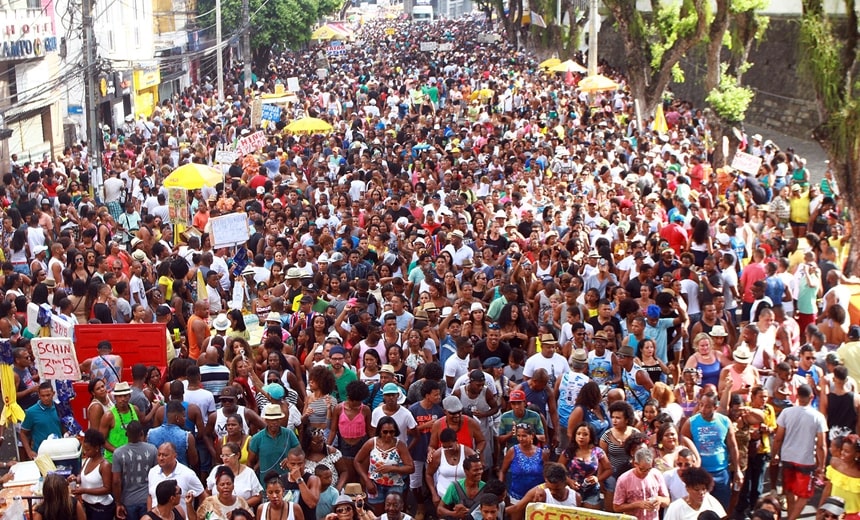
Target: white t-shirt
[[456, 367], [681, 510], [555, 366], [403, 417], [185, 478]]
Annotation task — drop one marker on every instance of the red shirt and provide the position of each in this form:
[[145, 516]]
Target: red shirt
[[676, 236]]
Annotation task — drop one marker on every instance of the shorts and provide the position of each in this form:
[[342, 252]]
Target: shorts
[[590, 495], [609, 484], [416, 479], [383, 491], [350, 450], [796, 479]]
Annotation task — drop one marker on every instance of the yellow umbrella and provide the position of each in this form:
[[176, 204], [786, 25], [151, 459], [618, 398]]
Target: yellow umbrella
[[597, 83], [309, 125], [325, 32], [193, 176], [552, 62], [568, 66], [659, 125], [484, 93]]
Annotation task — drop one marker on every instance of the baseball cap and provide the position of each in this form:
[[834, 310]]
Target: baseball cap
[[834, 505], [492, 362], [854, 332], [275, 390], [452, 404], [517, 396], [477, 375]]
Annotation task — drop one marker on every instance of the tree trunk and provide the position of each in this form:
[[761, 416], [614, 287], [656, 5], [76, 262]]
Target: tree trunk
[[715, 45]]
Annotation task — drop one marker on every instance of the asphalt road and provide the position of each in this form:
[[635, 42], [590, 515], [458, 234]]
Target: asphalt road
[[810, 150]]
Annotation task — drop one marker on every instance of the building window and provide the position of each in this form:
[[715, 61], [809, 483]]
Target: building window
[[34, 4]]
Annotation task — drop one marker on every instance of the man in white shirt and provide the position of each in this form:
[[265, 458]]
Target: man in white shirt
[[169, 468]]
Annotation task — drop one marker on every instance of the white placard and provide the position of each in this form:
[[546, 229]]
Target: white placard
[[229, 230], [446, 47], [225, 156], [251, 143], [56, 359], [429, 46], [746, 163], [293, 84], [61, 327]]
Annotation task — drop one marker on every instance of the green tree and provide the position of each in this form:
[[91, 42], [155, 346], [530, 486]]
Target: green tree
[[654, 46], [735, 26], [830, 60], [285, 23]]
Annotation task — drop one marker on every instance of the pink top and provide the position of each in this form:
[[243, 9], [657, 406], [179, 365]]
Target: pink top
[[352, 428]]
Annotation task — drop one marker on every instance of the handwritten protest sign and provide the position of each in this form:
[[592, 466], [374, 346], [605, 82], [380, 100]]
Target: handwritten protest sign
[[251, 143], [56, 359], [271, 113], [746, 163]]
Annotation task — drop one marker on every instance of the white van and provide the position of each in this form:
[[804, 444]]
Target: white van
[[422, 13]]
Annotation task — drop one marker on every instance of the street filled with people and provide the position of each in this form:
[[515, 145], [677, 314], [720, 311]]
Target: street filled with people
[[482, 288]]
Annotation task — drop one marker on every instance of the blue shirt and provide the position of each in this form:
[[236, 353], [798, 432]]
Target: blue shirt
[[173, 434], [660, 336], [272, 450], [41, 423], [710, 438]]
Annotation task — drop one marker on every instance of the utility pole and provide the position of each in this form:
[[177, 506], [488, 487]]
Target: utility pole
[[219, 54], [246, 40], [592, 36], [89, 61]]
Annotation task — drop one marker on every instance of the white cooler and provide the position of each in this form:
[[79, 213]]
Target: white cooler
[[65, 453]]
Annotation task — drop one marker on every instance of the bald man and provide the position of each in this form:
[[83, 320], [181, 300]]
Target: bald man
[[214, 376], [198, 329]]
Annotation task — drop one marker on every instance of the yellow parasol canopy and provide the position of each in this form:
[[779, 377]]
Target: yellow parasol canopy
[[597, 83], [193, 176], [552, 62], [12, 411], [309, 125], [568, 66], [484, 93], [325, 32]]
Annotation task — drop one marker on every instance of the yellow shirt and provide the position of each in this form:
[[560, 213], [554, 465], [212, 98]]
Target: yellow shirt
[[799, 211], [849, 354], [845, 487]]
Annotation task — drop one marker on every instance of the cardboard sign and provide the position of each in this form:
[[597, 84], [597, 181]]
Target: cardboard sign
[[225, 156], [256, 112], [271, 113], [429, 46], [56, 359], [60, 327], [746, 163], [251, 143], [293, 84], [177, 206], [390, 31], [541, 511], [335, 50], [446, 47], [229, 230]]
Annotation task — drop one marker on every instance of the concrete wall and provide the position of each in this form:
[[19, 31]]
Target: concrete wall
[[783, 101]]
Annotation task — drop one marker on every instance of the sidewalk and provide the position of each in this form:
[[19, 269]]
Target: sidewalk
[[809, 150]]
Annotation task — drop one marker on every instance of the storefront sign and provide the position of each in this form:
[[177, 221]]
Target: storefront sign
[[25, 36], [144, 79]]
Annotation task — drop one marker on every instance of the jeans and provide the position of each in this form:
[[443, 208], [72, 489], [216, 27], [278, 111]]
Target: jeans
[[135, 511], [722, 486], [205, 459], [753, 482]]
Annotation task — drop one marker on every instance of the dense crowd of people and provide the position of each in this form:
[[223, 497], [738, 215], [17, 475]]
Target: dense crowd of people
[[483, 288]]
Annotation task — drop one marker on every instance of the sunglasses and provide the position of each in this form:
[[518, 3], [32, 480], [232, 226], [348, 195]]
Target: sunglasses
[[344, 509]]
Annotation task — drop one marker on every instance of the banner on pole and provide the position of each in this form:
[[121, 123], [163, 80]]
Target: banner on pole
[[177, 206]]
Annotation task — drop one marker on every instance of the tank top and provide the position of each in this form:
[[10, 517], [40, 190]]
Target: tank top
[[688, 402], [841, 414], [464, 436], [193, 340], [654, 372], [319, 412], [91, 480], [710, 373], [221, 422], [526, 472], [384, 457], [264, 512], [637, 395], [354, 428], [117, 436], [569, 501], [448, 473], [479, 404], [709, 437], [293, 495], [600, 367], [599, 425], [25, 381], [578, 468]]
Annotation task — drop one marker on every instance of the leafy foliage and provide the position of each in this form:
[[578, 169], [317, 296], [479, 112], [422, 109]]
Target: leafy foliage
[[730, 100], [283, 22]]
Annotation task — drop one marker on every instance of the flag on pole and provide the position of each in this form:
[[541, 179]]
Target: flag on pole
[[659, 125]]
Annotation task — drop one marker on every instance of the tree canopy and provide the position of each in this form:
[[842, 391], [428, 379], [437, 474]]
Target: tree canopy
[[286, 23]]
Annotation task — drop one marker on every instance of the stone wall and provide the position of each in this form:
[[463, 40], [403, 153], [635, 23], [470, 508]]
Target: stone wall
[[783, 101]]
